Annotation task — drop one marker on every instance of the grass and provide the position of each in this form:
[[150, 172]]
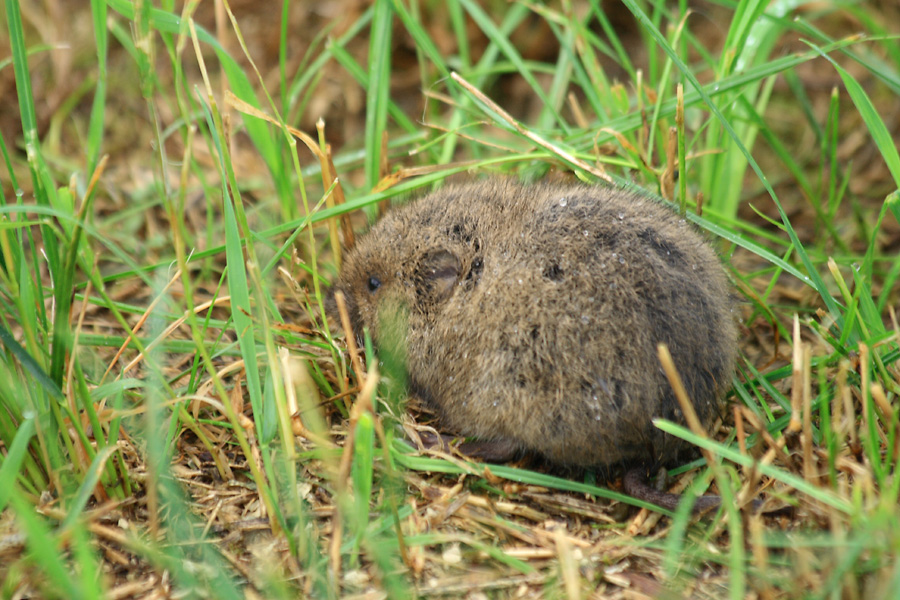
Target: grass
[[177, 416]]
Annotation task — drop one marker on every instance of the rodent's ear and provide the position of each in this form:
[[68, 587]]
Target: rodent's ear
[[440, 270]]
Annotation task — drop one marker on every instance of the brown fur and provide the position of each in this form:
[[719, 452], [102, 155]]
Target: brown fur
[[533, 315]]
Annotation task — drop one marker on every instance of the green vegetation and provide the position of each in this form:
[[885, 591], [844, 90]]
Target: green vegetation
[[176, 415]]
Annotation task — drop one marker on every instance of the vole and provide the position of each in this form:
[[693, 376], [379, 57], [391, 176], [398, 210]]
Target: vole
[[530, 317]]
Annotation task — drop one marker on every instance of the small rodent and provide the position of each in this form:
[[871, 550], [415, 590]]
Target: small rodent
[[531, 316]]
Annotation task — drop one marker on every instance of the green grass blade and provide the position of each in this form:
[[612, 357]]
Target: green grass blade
[[497, 37], [23, 79], [798, 483], [87, 486], [98, 108], [870, 116], [239, 84], [30, 364], [362, 77], [87, 566], [404, 455], [379, 89], [422, 38], [11, 463], [813, 274], [238, 284], [43, 549], [44, 186], [362, 470]]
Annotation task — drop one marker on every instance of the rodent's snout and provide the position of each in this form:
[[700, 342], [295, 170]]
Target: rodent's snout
[[329, 303]]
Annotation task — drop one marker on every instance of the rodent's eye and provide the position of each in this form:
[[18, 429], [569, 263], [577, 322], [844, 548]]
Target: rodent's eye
[[374, 283]]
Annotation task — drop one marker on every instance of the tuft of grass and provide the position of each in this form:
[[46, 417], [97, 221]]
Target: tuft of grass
[[170, 390]]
